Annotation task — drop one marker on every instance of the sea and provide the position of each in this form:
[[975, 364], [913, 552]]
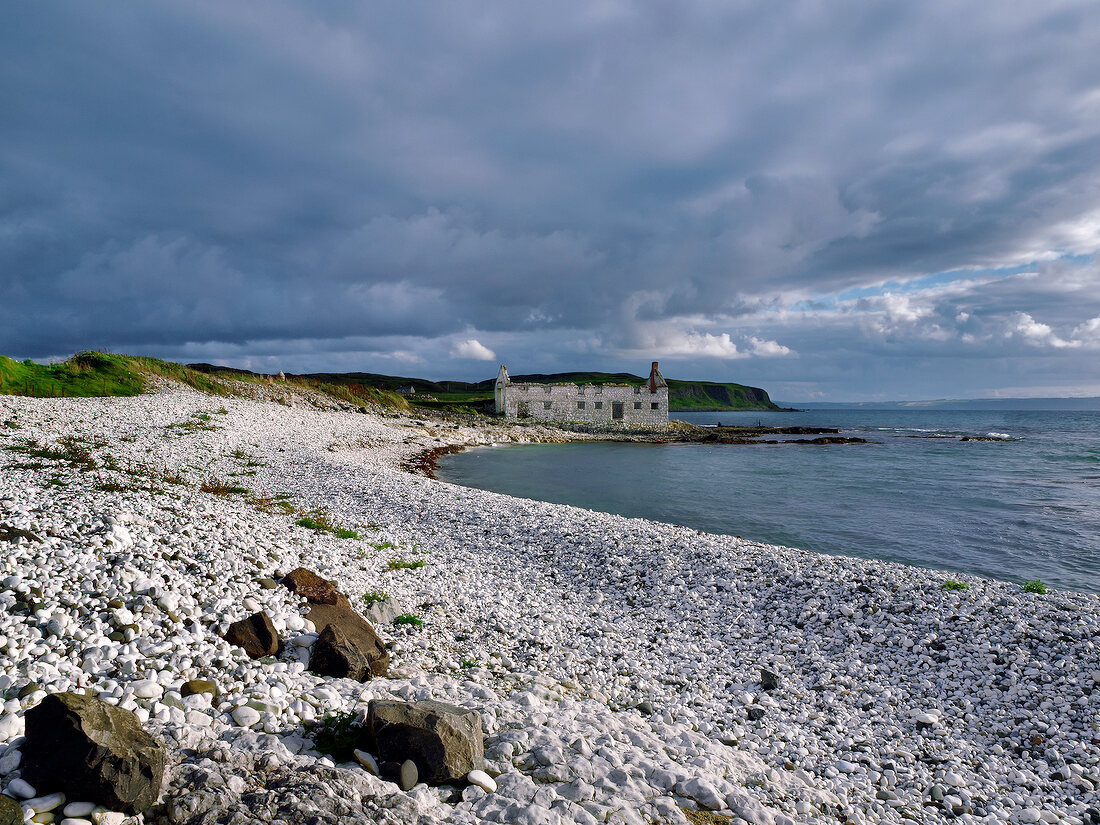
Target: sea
[[1022, 507]]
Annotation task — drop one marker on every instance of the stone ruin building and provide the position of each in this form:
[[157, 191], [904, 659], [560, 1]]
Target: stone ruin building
[[588, 403]]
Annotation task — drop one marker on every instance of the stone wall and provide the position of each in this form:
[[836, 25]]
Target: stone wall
[[589, 403]]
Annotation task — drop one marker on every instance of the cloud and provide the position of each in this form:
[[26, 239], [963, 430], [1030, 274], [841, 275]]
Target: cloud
[[472, 348], [1039, 334], [733, 182]]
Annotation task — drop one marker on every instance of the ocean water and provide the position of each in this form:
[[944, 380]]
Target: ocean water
[[1026, 507]]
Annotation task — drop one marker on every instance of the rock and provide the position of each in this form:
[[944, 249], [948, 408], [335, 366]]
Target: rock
[[407, 775], [11, 726], [22, 788], [755, 714], [315, 589], [385, 611], [245, 716], [44, 804], [337, 655], [11, 812], [256, 635], [267, 583], [147, 689], [367, 761], [444, 740], [92, 751], [768, 680], [79, 808], [196, 686], [352, 649], [482, 780]]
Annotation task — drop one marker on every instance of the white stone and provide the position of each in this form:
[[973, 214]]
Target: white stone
[[1028, 815], [11, 726], [74, 820], [147, 689], [366, 760], [79, 808], [108, 817], [246, 717], [482, 780], [21, 788], [44, 804], [10, 761]]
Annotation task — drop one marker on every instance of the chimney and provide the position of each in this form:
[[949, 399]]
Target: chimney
[[654, 377]]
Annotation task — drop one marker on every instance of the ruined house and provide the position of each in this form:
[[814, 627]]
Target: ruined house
[[645, 405]]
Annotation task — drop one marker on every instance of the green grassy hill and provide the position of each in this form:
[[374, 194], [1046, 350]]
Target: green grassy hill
[[683, 395], [104, 373]]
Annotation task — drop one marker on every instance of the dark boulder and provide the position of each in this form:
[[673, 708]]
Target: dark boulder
[[347, 645], [312, 587], [334, 654], [255, 634], [445, 741], [90, 750]]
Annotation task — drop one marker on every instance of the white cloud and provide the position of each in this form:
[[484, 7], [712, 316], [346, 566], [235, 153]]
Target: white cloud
[[473, 348], [768, 349], [1039, 333]]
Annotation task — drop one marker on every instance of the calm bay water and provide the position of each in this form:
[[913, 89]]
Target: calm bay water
[[1024, 508]]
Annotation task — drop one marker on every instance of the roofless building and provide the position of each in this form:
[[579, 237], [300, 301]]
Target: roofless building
[[588, 403]]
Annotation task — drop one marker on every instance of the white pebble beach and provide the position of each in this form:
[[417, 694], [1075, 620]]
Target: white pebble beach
[[616, 662]]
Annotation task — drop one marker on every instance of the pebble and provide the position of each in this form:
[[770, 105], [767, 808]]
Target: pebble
[[367, 760], [868, 651], [21, 789], [482, 780], [246, 717], [44, 804]]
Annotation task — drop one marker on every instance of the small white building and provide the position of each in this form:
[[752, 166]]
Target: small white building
[[587, 403]]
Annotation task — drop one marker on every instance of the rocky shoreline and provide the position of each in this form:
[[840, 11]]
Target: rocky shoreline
[[621, 670]]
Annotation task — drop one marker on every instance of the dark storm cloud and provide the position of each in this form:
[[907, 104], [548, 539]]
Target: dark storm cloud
[[551, 181]]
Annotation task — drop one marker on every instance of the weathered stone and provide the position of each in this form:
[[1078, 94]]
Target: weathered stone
[[315, 589], [11, 812], [90, 750], [445, 741], [355, 640], [193, 686], [255, 634], [385, 611], [335, 654], [268, 583]]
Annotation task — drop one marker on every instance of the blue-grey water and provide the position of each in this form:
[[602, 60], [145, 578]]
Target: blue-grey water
[[1024, 508]]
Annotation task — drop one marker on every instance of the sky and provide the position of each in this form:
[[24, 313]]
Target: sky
[[831, 200]]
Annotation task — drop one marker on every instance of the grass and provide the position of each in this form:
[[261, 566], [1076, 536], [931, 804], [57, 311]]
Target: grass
[[382, 545], [337, 735], [69, 449], [220, 487], [92, 373], [466, 664], [373, 596], [322, 522], [402, 564], [271, 504], [409, 619], [1034, 586], [951, 584]]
